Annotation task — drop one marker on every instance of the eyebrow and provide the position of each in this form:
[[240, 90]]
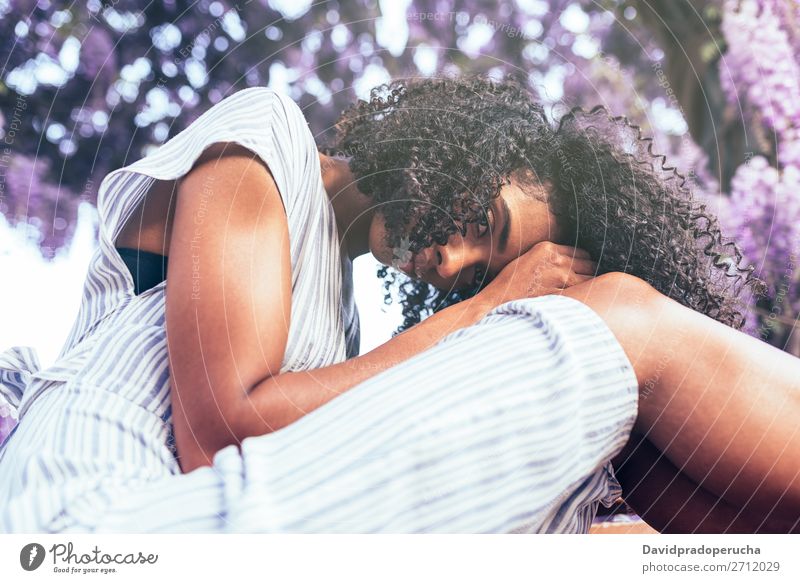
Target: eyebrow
[[506, 227]]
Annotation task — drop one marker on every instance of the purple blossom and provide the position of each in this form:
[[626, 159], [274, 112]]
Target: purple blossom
[[764, 214], [761, 70], [8, 419]]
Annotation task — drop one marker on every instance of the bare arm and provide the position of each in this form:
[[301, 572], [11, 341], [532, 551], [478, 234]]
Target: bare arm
[[289, 396], [228, 215]]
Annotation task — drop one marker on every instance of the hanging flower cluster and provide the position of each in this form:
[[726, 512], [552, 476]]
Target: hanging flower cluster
[[760, 75]]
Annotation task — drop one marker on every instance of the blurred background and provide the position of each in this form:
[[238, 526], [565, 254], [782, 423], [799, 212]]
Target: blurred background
[[89, 86]]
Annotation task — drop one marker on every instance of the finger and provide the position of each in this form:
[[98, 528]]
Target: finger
[[571, 251], [579, 253], [583, 266], [576, 278]]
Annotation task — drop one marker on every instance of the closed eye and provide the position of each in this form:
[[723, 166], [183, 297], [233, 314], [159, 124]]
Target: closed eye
[[480, 277], [485, 224]]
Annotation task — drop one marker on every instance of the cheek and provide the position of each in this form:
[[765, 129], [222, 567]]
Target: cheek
[[377, 240]]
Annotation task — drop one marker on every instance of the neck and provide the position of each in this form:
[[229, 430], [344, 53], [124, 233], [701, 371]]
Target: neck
[[352, 208]]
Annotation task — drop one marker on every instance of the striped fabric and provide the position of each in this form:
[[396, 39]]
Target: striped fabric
[[505, 426]]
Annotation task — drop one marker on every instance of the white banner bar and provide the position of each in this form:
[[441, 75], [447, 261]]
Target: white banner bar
[[400, 558]]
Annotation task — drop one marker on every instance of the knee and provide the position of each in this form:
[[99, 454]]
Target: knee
[[618, 294], [635, 312], [629, 290]]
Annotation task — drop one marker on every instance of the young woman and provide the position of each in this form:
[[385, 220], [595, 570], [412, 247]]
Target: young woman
[[228, 395]]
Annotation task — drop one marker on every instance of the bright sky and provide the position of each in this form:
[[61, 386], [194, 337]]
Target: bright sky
[[41, 298]]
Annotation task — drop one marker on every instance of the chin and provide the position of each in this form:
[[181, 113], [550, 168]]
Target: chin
[[377, 234], [380, 251], [379, 255]]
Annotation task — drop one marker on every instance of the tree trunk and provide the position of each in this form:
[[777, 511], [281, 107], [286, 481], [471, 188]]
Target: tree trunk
[[688, 31]]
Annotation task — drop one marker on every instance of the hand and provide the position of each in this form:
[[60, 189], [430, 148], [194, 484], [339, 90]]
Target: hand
[[547, 268]]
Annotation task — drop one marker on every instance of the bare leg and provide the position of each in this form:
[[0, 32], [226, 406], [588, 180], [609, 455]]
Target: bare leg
[[672, 503], [724, 407]]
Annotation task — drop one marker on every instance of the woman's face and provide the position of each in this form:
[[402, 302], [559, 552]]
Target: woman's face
[[517, 220]]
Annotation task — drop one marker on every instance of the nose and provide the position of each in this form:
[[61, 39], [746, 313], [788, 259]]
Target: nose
[[455, 257]]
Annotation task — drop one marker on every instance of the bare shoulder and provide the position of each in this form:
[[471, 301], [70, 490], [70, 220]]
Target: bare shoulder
[[150, 226], [229, 157], [234, 176]]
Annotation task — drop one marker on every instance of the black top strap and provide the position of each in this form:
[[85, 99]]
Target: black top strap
[[147, 269]]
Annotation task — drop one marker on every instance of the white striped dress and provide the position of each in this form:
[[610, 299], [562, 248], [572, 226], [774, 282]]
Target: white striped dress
[[505, 426]]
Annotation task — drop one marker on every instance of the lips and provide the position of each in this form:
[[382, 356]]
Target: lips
[[422, 262], [418, 265], [408, 267]]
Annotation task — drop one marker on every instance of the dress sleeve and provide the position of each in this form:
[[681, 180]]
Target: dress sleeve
[[268, 123]]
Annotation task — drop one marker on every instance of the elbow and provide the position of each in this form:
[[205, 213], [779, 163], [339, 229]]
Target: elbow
[[197, 443], [196, 450], [196, 456], [190, 460], [198, 440]]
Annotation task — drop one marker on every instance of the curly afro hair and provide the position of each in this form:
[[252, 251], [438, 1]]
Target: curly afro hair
[[438, 150]]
